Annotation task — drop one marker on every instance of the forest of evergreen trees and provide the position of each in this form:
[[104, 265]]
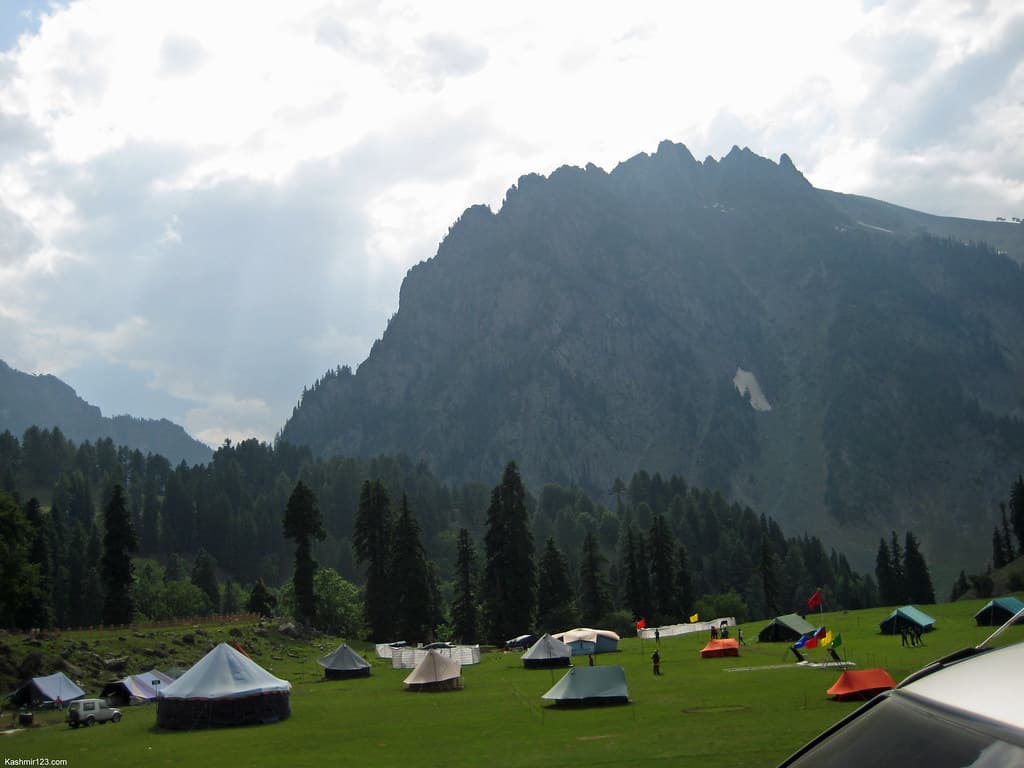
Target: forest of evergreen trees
[[211, 538]]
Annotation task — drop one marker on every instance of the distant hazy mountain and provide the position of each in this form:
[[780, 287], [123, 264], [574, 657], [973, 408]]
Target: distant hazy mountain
[[817, 355], [47, 402]]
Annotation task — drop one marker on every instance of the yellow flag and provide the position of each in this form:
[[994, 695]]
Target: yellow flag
[[826, 641], [694, 618]]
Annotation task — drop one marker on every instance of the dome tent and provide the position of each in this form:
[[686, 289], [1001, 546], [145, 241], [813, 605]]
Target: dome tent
[[344, 663], [223, 688]]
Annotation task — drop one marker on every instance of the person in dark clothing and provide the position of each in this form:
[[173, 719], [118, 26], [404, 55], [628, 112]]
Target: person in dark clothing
[[656, 660]]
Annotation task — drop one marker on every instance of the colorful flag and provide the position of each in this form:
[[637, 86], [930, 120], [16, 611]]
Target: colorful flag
[[836, 641], [801, 642], [814, 601], [641, 625], [826, 641], [812, 642], [820, 633], [694, 619]]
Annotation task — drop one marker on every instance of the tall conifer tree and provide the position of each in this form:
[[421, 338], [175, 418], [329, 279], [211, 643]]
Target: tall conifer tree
[[594, 598], [464, 603], [510, 586], [661, 550], [554, 590], [303, 523], [371, 540], [412, 599], [116, 564], [919, 582]]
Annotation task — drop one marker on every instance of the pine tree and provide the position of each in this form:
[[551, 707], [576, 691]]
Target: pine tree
[[204, 576], [685, 594], [998, 549], [768, 573], [960, 586], [464, 603], [661, 550], [884, 575], [303, 523], [635, 576], [371, 540], [594, 597], [19, 578], [554, 590], [41, 555], [260, 599], [919, 582], [510, 587], [1017, 510], [116, 564], [1008, 552], [411, 598], [899, 574]]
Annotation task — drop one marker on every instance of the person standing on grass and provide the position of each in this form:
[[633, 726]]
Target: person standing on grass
[[656, 660]]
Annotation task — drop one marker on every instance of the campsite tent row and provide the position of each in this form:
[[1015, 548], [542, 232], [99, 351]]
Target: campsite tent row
[[409, 658], [225, 687], [584, 641]]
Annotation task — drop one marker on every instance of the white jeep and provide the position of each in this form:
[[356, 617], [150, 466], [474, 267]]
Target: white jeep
[[89, 711]]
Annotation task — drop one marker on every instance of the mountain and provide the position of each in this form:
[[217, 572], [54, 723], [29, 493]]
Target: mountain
[[47, 402], [847, 366]]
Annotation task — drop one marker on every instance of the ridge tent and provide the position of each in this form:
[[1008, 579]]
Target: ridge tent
[[861, 684], [905, 618], [547, 652], [584, 641], [728, 647], [590, 685], [136, 689], [44, 691], [787, 628], [344, 663], [223, 688], [435, 673], [998, 611]]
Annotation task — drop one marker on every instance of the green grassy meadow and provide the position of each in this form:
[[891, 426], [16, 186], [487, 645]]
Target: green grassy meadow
[[697, 713]]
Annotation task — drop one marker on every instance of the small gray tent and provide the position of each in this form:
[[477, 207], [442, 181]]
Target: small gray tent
[[136, 689], [590, 685], [999, 611], [907, 617], [547, 652], [785, 629], [344, 663]]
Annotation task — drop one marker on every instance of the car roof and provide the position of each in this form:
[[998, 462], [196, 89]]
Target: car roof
[[986, 685]]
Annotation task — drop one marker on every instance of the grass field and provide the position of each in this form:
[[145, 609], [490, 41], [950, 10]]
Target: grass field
[[697, 713]]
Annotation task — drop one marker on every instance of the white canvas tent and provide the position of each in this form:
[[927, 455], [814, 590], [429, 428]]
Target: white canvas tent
[[47, 690], [225, 687], [136, 689], [547, 652], [435, 673], [583, 641]]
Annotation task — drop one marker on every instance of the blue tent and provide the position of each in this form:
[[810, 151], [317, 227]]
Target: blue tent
[[45, 691], [907, 617], [999, 611]]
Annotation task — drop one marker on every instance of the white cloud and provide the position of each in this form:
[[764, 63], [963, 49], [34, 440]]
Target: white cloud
[[225, 206]]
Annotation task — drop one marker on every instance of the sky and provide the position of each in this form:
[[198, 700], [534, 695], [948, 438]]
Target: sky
[[204, 206]]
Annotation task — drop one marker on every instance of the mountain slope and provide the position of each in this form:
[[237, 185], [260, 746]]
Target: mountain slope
[[601, 323], [47, 402]]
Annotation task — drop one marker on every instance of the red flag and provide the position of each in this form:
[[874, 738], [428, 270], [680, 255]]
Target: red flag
[[641, 625], [812, 642], [814, 601]]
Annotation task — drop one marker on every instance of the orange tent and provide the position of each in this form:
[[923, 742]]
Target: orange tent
[[727, 647], [861, 684]]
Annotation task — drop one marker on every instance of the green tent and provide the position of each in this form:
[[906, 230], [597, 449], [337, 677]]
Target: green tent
[[906, 617], [590, 685], [999, 611], [785, 629]]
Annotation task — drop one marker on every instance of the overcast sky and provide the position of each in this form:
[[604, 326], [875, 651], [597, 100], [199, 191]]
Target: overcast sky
[[206, 205]]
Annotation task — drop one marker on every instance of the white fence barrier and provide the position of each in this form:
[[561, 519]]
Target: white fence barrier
[[672, 630], [408, 658]]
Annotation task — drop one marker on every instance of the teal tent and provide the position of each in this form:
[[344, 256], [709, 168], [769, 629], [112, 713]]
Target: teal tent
[[999, 611], [590, 685], [907, 617], [785, 629]]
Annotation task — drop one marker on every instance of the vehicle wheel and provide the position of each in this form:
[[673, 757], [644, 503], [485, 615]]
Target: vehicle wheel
[[116, 718], [89, 722]]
